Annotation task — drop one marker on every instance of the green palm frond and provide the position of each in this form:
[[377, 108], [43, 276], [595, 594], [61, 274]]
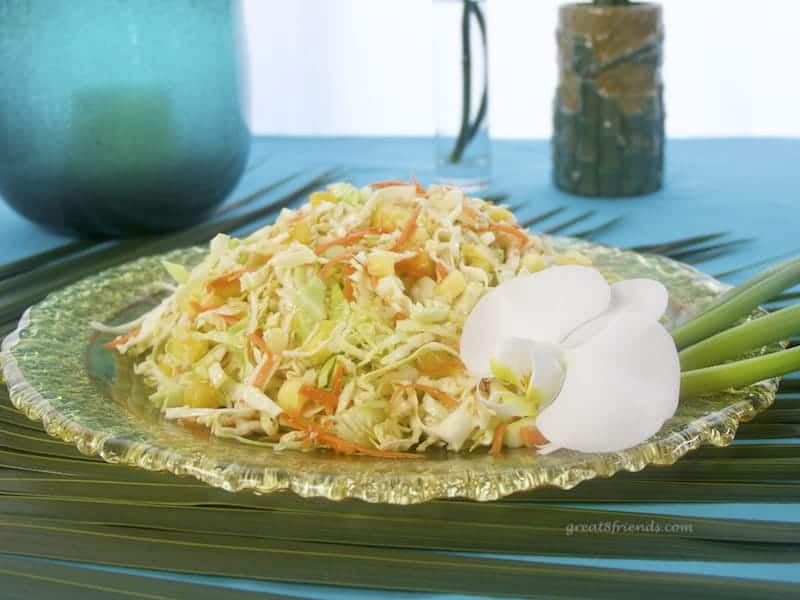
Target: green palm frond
[[31, 578], [92, 511], [20, 291]]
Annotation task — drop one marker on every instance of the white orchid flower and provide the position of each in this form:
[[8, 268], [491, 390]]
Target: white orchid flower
[[603, 369]]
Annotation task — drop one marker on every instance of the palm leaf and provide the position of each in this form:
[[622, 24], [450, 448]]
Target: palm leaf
[[73, 248], [20, 291], [42, 258], [570, 222], [768, 431], [747, 450], [789, 385], [459, 526], [702, 253], [229, 207], [677, 244], [781, 415], [754, 265], [786, 297], [32, 578], [112, 514], [527, 223], [338, 564], [644, 491], [588, 233]]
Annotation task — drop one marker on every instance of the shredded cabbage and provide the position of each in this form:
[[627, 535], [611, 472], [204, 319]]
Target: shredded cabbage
[[332, 327]]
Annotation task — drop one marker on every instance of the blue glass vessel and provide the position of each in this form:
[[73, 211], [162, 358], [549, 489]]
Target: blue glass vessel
[[121, 117]]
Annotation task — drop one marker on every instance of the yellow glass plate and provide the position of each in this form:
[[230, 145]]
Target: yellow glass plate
[[59, 373]]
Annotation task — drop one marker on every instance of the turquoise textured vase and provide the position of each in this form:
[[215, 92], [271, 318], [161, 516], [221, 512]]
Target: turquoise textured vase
[[121, 117]]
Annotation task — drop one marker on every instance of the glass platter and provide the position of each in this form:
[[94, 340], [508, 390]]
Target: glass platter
[[59, 373]]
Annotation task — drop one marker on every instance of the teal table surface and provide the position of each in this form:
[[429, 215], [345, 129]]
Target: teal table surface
[[748, 187]]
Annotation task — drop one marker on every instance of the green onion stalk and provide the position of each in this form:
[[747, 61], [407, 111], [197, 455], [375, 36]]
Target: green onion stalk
[[468, 129], [714, 345]]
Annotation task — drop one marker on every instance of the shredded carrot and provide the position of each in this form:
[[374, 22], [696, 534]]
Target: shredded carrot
[[421, 191], [400, 316], [199, 309], [531, 436], [443, 397], [348, 290], [408, 229], [331, 264], [350, 238], [230, 319], [322, 437], [226, 279], [441, 367], [514, 230], [257, 339], [347, 447], [379, 185], [419, 265], [261, 375], [328, 399], [338, 378], [470, 212], [441, 271], [296, 422], [497, 439], [118, 341]]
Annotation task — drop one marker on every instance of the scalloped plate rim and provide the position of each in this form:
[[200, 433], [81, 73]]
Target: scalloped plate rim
[[27, 399]]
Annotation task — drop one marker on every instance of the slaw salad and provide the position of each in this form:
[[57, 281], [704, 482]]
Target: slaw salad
[[338, 327]]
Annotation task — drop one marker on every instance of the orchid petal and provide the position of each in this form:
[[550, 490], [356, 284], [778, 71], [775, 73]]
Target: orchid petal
[[514, 354], [620, 387], [646, 296], [543, 306], [548, 372]]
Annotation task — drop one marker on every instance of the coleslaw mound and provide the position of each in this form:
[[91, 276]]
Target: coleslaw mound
[[338, 326]]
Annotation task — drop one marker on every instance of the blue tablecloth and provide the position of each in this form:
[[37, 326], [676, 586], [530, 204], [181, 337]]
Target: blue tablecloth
[[749, 187]]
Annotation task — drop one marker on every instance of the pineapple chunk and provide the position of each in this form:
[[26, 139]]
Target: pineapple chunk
[[186, 349], [451, 286], [318, 198], [533, 262], [474, 258], [390, 217], [500, 214], [380, 263], [199, 394], [420, 265], [301, 232], [289, 397]]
